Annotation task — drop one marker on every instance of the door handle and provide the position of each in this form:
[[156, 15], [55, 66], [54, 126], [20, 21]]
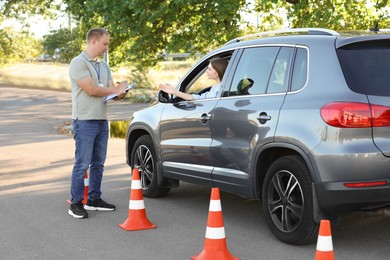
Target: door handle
[[263, 118], [205, 118]]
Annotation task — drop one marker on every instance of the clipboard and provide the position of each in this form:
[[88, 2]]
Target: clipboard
[[130, 86]]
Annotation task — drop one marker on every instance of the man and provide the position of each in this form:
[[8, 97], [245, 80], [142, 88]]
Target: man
[[91, 81]]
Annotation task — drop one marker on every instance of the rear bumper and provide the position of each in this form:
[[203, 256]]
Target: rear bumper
[[334, 197]]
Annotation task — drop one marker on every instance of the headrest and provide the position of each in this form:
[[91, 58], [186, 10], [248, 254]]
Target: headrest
[[244, 85]]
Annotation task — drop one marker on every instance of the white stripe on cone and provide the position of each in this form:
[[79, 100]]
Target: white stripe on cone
[[324, 244], [135, 184], [215, 233], [86, 182], [136, 204], [215, 206]]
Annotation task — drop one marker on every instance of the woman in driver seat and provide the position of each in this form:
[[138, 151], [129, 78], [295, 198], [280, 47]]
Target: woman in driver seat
[[215, 71]]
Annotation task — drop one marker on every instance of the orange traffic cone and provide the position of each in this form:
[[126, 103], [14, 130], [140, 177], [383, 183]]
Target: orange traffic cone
[[86, 189], [324, 243], [136, 219], [215, 241]]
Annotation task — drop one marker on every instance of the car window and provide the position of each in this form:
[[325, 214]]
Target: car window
[[366, 67], [279, 75], [197, 81], [200, 82], [299, 76], [253, 71]]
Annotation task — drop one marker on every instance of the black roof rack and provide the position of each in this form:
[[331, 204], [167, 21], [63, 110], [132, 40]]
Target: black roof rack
[[310, 31]]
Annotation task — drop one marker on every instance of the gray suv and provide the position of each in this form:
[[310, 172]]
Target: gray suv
[[310, 137]]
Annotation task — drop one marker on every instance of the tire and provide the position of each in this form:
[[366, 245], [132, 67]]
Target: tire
[[144, 158], [287, 201]]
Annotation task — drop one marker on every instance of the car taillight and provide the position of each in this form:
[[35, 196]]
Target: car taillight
[[380, 115], [365, 184], [355, 115]]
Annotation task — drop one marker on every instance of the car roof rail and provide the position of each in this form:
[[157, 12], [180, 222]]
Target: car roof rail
[[309, 31]]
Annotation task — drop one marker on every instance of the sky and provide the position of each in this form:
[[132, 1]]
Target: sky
[[38, 25]]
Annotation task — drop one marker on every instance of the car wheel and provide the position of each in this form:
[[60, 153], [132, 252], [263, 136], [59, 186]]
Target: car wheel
[[144, 158], [287, 201]]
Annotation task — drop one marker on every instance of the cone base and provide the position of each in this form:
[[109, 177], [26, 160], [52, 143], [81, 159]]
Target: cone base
[[324, 255], [133, 225], [215, 249], [215, 255]]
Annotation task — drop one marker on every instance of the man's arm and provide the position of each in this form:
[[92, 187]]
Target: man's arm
[[88, 85]]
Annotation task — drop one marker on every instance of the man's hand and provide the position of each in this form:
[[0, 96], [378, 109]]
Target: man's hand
[[121, 90], [121, 96]]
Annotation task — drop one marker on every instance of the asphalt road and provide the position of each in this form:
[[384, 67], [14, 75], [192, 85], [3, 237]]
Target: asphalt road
[[35, 168]]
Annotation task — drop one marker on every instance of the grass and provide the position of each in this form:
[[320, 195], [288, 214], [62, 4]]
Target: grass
[[35, 75], [55, 77]]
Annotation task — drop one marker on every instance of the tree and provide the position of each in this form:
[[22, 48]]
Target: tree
[[332, 14], [17, 46], [18, 8], [64, 44], [24, 9], [141, 29]]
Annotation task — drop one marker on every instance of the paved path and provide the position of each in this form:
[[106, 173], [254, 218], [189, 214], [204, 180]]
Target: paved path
[[35, 169]]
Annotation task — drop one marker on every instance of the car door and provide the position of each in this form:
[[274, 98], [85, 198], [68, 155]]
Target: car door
[[185, 140], [247, 116], [186, 135]]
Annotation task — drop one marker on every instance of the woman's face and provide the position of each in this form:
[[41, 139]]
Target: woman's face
[[212, 73]]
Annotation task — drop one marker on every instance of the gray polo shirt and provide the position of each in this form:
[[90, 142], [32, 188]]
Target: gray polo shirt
[[85, 107]]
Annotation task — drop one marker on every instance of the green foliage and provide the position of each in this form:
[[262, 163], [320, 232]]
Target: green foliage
[[64, 44], [19, 8], [141, 29], [118, 129], [272, 15], [339, 15], [17, 46], [332, 14]]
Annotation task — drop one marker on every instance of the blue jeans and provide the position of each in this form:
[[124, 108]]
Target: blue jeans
[[91, 137]]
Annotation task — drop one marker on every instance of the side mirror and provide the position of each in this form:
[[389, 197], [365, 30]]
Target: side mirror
[[164, 97]]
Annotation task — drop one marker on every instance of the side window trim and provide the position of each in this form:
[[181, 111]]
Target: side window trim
[[282, 71], [231, 70], [293, 72]]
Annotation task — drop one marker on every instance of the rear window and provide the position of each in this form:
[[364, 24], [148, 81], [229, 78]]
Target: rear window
[[366, 67]]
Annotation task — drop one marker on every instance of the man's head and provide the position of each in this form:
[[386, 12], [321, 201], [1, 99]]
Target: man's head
[[97, 42]]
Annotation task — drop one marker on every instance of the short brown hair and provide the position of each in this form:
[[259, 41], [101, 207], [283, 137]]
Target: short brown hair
[[96, 33], [220, 65]]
